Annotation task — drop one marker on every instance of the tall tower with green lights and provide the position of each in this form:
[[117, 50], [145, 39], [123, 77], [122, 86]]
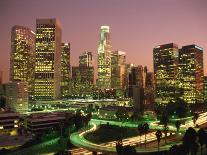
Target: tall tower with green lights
[[104, 59]]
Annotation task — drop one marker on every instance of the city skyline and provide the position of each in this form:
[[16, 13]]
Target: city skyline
[[186, 26]]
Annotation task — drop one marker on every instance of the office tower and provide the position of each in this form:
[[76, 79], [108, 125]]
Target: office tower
[[17, 96], [149, 89], [165, 59], [83, 80], [86, 59], [22, 58], [191, 73], [83, 76], [118, 70], [205, 88], [48, 59], [135, 78], [104, 59], [65, 70]]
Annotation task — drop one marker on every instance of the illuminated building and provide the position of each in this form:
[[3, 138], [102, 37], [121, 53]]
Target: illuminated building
[[83, 77], [65, 70], [17, 96], [22, 58], [104, 59], [118, 69], [83, 80], [48, 59], [165, 59], [86, 59], [136, 77], [191, 73], [8, 121], [205, 88], [149, 89], [39, 122]]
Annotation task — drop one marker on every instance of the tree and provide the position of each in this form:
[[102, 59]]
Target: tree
[[195, 118], [78, 120], [189, 141], [202, 135], [119, 147], [177, 125], [158, 135], [141, 131], [166, 129], [145, 130], [174, 150], [165, 120]]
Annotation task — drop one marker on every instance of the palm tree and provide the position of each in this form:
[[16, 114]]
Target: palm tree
[[189, 141], [195, 118], [141, 130], [166, 129], [177, 125], [145, 130], [158, 135], [202, 135], [174, 150]]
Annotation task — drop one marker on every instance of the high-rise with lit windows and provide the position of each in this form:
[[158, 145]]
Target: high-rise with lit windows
[[86, 59], [65, 70], [48, 59], [191, 73], [165, 59], [104, 59], [118, 69], [22, 57], [205, 88], [83, 75]]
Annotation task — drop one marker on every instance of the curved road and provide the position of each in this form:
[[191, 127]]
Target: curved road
[[78, 138]]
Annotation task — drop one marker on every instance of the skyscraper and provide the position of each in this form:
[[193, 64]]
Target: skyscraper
[[191, 73], [205, 88], [48, 59], [118, 69], [104, 59], [165, 59], [65, 70], [86, 59], [83, 75], [22, 58], [135, 77]]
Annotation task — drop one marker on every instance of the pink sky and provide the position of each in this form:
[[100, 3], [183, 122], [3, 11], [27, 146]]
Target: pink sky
[[136, 25]]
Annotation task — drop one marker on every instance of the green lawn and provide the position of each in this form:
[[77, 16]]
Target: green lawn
[[107, 133]]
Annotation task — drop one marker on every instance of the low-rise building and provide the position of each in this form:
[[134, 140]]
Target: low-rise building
[[42, 121], [8, 121]]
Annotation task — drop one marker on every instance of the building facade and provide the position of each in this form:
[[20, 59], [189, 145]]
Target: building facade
[[17, 96], [8, 121], [205, 88], [48, 59], [86, 59], [191, 73], [165, 59], [22, 57], [65, 70], [104, 59], [118, 70]]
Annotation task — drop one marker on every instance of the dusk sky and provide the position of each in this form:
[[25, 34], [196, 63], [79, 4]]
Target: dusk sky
[[136, 25]]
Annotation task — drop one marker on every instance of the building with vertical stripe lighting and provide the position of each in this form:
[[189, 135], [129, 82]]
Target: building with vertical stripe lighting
[[48, 59]]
